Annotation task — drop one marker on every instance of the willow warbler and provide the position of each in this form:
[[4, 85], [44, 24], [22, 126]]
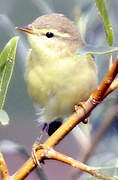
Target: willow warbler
[[57, 78]]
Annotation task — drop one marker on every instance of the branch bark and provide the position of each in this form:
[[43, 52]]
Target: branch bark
[[52, 154], [4, 170]]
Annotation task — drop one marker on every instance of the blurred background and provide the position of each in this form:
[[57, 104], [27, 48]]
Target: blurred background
[[23, 128]]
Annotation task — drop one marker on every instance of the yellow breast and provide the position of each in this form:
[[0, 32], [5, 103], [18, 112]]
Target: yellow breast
[[59, 86]]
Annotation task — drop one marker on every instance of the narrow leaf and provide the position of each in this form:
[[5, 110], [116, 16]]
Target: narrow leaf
[[4, 118], [105, 19], [88, 49], [7, 60]]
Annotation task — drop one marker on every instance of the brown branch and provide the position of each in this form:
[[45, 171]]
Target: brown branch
[[3, 168], [52, 154], [112, 87], [81, 113], [98, 95]]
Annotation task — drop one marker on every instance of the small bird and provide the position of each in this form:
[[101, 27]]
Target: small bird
[[57, 77]]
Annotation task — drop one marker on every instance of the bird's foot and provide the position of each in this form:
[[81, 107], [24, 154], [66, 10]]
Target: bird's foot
[[37, 145], [35, 148], [81, 104]]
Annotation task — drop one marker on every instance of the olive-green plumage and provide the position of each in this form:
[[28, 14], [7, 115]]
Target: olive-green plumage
[[57, 78]]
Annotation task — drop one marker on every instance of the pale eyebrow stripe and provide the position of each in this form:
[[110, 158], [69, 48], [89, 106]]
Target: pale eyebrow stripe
[[56, 33]]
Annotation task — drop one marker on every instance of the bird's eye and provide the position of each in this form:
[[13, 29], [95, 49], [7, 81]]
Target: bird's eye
[[49, 34]]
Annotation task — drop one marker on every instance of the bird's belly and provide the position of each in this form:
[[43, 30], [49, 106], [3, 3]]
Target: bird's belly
[[60, 87]]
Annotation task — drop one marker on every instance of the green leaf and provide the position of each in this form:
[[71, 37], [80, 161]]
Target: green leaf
[[4, 118], [88, 49], [105, 19], [7, 60]]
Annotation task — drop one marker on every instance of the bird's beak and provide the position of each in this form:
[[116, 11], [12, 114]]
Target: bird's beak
[[26, 29]]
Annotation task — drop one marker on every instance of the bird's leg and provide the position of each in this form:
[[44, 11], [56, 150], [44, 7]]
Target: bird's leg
[[37, 144], [35, 148]]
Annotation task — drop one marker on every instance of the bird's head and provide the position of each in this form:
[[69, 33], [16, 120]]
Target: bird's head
[[53, 34]]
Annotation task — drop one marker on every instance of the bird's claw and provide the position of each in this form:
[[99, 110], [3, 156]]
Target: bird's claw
[[35, 148], [81, 104]]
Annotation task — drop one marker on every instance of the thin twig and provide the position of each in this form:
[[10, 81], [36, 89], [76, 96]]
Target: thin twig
[[3, 167], [112, 87], [52, 154], [107, 81]]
